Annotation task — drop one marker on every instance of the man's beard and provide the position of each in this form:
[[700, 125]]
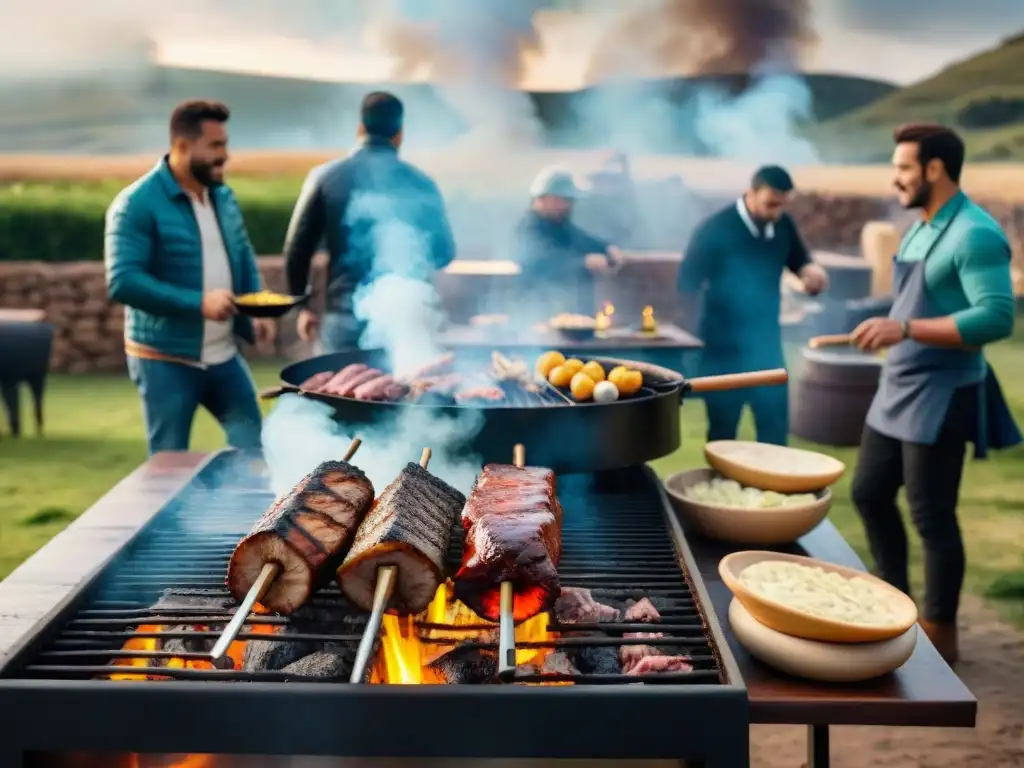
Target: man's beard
[[921, 198], [203, 173]]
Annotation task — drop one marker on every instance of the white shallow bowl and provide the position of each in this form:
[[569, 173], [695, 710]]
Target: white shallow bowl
[[767, 526], [815, 660]]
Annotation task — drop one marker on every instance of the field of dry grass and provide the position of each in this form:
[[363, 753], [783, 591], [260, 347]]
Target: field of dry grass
[[471, 168]]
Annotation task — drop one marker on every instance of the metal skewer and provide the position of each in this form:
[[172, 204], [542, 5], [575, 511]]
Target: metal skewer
[[506, 615], [258, 590], [387, 577]]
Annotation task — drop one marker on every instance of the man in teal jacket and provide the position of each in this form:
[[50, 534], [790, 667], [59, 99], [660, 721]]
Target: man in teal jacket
[[731, 275], [952, 294], [176, 253]]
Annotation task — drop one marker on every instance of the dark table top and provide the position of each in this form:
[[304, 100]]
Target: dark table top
[[923, 692]]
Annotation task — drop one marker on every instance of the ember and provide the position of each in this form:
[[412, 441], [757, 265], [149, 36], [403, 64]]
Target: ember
[[409, 647]]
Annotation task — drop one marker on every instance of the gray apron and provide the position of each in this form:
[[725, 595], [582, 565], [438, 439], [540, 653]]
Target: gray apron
[[918, 381]]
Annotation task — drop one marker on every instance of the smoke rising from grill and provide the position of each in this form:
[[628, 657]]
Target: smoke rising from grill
[[402, 314]]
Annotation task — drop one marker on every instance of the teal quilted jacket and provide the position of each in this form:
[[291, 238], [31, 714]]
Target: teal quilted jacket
[[154, 262]]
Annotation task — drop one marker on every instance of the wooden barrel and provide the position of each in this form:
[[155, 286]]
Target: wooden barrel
[[830, 398]]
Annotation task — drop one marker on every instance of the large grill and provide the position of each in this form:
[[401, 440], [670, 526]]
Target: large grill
[[620, 541]]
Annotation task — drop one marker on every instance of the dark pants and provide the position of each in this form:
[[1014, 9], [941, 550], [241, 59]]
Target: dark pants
[[171, 394], [769, 404], [931, 475]]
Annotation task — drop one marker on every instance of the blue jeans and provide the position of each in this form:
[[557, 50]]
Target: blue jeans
[[171, 393]]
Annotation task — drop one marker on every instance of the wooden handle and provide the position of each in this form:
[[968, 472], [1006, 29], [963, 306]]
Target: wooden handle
[[738, 380], [352, 448], [834, 340], [281, 389], [519, 455], [425, 458]]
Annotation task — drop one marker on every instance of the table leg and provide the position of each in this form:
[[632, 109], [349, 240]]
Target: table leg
[[817, 746]]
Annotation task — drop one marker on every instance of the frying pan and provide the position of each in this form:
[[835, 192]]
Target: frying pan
[[584, 437]]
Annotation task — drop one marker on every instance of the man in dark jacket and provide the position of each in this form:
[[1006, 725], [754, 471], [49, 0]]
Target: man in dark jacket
[[376, 213], [558, 260], [733, 269], [176, 253]]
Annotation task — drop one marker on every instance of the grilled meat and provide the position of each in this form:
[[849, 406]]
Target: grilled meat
[[318, 380], [349, 386], [513, 527], [374, 389], [409, 527], [441, 365], [656, 665], [342, 377], [476, 394], [576, 605], [555, 663], [642, 612], [313, 522]]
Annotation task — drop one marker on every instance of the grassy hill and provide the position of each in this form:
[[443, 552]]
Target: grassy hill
[[982, 96], [127, 114]]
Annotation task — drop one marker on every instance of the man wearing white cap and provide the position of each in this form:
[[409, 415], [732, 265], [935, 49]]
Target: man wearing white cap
[[558, 260]]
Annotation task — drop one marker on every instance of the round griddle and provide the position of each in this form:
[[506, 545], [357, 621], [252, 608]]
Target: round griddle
[[567, 437]]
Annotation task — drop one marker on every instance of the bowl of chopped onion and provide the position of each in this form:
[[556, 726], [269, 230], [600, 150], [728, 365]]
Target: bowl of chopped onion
[[815, 600], [723, 509]]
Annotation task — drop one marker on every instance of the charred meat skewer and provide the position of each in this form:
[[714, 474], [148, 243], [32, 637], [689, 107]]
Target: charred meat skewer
[[300, 532], [513, 527], [397, 561], [513, 543], [409, 527]]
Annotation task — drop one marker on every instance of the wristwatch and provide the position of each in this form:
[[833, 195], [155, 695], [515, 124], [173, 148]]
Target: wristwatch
[[905, 328]]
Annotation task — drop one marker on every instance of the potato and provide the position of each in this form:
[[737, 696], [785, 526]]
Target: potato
[[582, 387]]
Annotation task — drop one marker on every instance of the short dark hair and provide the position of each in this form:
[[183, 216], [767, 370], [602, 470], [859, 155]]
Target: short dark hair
[[773, 176], [934, 142], [381, 115], [188, 117]]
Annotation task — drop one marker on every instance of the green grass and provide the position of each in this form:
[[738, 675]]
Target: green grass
[[949, 97], [94, 437]]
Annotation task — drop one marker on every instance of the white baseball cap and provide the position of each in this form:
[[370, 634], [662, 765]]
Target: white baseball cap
[[557, 181]]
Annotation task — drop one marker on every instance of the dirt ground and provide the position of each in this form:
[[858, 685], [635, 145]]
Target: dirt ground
[[992, 667]]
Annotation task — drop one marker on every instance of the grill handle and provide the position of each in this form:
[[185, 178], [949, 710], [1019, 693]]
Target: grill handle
[[281, 389], [766, 378]]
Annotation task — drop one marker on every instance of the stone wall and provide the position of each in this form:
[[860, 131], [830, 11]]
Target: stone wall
[[88, 328]]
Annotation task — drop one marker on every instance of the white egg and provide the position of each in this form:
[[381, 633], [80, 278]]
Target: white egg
[[605, 392]]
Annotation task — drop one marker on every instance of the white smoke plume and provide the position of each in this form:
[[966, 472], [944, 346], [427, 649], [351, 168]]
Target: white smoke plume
[[403, 314]]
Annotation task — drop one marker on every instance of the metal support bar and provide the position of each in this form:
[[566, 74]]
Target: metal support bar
[[817, 746]]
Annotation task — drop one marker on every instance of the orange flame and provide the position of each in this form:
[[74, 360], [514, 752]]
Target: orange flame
[[406, 651], [647, 321]]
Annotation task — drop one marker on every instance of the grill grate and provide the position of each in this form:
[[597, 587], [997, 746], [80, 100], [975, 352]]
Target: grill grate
[[615, 543]]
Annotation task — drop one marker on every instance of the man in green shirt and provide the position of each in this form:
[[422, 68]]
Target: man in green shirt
[[731, 275], [952, 295]]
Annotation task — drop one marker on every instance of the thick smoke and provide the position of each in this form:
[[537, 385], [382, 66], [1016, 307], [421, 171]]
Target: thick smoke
[[402, 313], [700, 37]]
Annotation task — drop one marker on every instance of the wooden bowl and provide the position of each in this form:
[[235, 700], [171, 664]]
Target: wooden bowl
[[827, 662], [773, 467], [768, 526], [797, 623]]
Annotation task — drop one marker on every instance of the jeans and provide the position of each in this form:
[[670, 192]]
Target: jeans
[[931, 475], [171, 393], [769, 404]]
